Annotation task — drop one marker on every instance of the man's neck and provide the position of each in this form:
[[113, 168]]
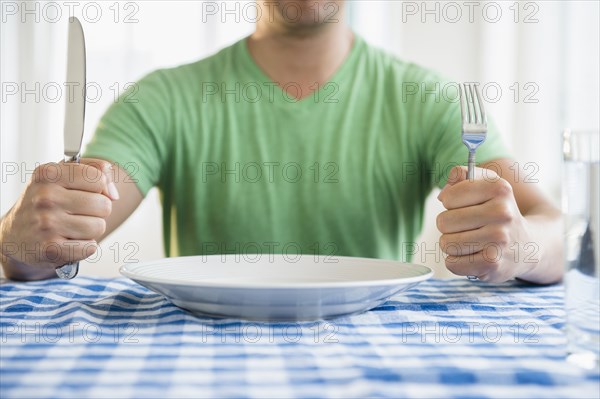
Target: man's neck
[[309, 58]]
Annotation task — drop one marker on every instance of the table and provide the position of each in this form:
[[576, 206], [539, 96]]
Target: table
[[94, 337]]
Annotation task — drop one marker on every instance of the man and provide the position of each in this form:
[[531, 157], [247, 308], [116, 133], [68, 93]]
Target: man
[[299, 137]]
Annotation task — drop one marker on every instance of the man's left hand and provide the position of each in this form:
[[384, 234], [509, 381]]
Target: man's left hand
[[483, 232]]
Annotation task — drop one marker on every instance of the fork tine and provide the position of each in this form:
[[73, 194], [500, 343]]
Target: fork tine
[[468, 103], [481, 107], [471, 102], [462, 99]]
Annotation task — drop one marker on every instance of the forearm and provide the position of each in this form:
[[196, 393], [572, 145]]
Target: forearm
[[545, 247]]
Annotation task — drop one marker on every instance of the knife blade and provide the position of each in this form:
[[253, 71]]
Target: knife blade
[[74, 111]]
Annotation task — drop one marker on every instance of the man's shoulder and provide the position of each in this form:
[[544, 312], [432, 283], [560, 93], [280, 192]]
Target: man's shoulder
[[396, 67], [212, 67]]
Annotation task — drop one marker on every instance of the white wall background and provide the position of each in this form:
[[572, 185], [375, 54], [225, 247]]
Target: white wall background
[[549, 49]]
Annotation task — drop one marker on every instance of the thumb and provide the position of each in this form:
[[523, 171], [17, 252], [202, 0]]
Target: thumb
[[456, 175], [459, 173], [107, 170]]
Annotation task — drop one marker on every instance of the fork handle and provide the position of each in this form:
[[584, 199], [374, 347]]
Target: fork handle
[[471, 176], [471, 166]]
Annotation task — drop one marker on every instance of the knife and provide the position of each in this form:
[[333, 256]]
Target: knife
[[74, 111]]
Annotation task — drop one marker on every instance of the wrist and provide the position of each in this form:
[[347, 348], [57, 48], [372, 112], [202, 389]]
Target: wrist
[[13, 268], [543, 262]]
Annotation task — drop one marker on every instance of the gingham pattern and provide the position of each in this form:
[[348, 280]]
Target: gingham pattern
[[93, 337]]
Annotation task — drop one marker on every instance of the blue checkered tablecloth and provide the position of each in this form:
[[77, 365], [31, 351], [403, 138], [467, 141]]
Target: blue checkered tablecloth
[[93, 337]]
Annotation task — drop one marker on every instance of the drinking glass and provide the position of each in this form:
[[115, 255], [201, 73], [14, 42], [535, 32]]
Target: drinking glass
[[580, 203]]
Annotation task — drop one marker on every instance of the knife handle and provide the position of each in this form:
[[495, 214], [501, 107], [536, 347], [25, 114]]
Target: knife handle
[[75, 158], [70, 270]]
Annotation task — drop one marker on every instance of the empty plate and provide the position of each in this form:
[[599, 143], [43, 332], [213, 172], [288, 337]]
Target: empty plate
[[276, 287]]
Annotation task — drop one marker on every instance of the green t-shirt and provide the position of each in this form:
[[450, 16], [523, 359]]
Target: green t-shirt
[[244, 168]]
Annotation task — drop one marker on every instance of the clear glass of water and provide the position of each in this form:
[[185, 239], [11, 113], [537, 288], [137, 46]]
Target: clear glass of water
[[580, 203]]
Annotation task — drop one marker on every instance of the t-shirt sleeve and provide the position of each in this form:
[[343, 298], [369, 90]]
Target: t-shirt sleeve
[[444, 146], [134, 133]]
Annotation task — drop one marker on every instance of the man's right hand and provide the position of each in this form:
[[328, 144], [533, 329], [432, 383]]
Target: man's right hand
[[60, 215]]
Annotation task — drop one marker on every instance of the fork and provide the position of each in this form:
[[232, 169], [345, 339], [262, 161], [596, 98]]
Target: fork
[[474, 126], [474, 122]]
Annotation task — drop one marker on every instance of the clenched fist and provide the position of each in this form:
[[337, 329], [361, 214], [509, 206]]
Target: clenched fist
[[60, 215], [483, 232]]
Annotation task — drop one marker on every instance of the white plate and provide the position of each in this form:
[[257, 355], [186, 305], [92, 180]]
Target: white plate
[[276, 287]]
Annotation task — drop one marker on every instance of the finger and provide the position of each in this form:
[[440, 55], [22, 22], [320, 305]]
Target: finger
[[61, 252], [477, 264], [458, 174], [489, 239], [473, 217], [72, 176], [107, 168], [77, 227], [470, 193], [91, 176], [100, 164], [86, 204]]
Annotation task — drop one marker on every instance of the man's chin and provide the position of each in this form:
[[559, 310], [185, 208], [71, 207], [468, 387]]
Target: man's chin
[[309, 14]]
